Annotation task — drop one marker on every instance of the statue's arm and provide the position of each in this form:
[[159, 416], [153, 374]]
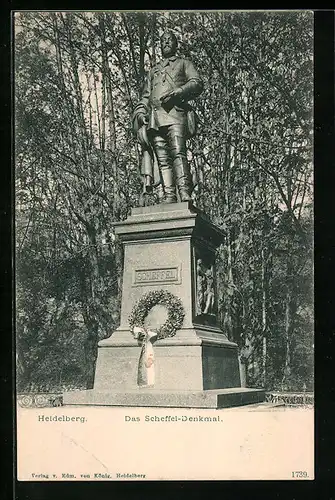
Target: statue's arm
[[193, 85], [142, 107], [146, 91]]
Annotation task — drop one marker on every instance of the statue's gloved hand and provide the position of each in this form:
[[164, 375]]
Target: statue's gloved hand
[[142, 119], [171, 96]]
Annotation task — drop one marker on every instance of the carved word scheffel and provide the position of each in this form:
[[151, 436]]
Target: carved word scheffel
[[166, 275]]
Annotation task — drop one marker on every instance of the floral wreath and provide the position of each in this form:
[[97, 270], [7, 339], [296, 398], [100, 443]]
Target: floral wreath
[[176, 312]]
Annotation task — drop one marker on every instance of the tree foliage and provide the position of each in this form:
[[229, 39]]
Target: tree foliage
[[77, 79]]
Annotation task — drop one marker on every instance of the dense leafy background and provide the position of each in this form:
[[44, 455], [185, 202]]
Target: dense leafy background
[[77, 79]]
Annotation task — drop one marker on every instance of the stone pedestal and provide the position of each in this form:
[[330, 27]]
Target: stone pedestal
[[170, 247]]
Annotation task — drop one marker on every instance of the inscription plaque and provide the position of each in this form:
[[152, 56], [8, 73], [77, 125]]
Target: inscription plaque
[[160, 275]]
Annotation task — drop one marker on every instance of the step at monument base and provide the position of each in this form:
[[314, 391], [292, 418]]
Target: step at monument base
[[214, 398]]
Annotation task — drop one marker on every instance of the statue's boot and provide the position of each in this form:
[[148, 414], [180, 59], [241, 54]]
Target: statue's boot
[[180, 164], [183, 178], [169, 188], [166, 173]]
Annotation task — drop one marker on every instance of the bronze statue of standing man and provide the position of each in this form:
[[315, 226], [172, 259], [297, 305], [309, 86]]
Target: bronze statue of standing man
[[164, 120]]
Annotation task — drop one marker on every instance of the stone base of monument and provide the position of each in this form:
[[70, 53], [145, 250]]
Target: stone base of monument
[[214, 398], [171, 248]]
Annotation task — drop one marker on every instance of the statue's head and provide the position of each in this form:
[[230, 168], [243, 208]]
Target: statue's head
[[169, 44]]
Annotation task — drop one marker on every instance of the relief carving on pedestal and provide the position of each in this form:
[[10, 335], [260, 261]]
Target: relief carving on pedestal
[[205, 289]]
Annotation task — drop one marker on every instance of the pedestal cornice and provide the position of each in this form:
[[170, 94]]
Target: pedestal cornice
[[169, 221]]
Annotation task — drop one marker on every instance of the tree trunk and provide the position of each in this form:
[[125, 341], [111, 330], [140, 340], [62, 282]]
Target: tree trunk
[[153, 44], [142, 49], [91, 351], [290, 308], [264, 320], [110, 108], [287, 365]]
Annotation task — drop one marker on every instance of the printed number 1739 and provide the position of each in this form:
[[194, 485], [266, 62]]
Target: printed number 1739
[[299, 473]]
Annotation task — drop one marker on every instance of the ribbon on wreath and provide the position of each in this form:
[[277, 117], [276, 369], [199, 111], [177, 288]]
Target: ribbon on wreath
[[146, 362]]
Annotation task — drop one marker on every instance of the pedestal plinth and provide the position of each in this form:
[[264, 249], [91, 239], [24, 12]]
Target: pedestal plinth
[[170, 247]]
